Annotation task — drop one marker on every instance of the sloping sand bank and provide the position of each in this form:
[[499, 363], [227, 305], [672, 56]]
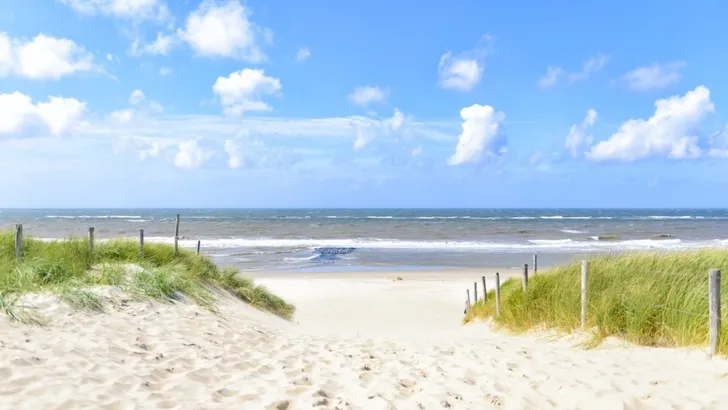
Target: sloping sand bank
[[362, 340]]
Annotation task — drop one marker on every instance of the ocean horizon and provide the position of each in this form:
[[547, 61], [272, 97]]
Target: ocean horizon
[[302, 239]]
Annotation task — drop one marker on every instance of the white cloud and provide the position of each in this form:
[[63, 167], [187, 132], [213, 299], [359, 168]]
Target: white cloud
[[235, 158], [367, 94], [417, 151], [162, 45], [155, 106], [241, 91], [463, 72], [397, 120], [111, 58], [132, 9], [303, 54], [665, 133], [136, 97], [364, 135], [459, 74], [190, 155], [20, 117], [165, 71], [224, 31], [43, 57], [590, 66], [578, 138], [654, 76], [124, 115], [481, 127]]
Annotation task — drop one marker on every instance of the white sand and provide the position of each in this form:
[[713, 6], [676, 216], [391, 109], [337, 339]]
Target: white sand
[[362, 341]]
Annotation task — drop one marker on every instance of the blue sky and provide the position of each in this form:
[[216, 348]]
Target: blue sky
[[154, 103]]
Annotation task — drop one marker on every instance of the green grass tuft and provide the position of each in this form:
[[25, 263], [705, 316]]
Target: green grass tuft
[[68, 268], [654, 299]]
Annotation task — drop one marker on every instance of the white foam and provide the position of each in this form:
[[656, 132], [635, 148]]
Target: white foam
[[93, 217], [553, 245], [571, 231]]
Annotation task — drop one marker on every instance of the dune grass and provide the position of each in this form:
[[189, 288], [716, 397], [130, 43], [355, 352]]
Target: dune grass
[[69, 269], [654, 299]]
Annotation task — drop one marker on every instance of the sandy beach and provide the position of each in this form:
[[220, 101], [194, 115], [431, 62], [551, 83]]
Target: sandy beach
[[360, 340]]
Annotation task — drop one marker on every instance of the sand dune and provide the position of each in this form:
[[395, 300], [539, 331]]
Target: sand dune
[[359, 342]]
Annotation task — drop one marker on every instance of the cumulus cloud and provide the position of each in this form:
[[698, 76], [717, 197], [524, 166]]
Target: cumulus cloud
[[654, 76], [131, 9], [303, 54], [481, 127], [463, 72], [224, 30], [20, 117], [241, 91], [578, 138], [666, 133], [162, 45], [235, 157], [43, 57], [590, 66], [136, 97], [367, 94], [190, 155]]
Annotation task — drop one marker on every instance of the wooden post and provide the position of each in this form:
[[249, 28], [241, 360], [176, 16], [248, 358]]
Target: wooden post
[[176, 237], [475, 292], [467, 291], [141, 243], [497, 294], [525, 277], [198, 247], [535, 263], [91, 239], [584, 275], [485, 291], [19, 242], [714, 307]]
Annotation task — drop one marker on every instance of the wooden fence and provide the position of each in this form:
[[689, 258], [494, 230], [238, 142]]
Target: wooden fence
[[714, 308], [92, 239]]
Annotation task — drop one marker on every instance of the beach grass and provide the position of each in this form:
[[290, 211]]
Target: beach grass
[[70, 269], [653, 299]]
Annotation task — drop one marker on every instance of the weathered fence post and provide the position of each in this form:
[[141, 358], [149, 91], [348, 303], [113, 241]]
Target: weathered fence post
[[141, 243], [485, 291], [91, 239], [176, 237], [714, 307], [525, 277], [19, 242], [198, 247], [584, 274], [497, 294], [467, 291], [475, 292], [535, 263]]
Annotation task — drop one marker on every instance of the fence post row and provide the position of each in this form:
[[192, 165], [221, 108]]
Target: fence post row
[[714, 308], [584, 268], [19, 242]]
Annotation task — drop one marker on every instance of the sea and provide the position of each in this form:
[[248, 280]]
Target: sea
[[295, 240]]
